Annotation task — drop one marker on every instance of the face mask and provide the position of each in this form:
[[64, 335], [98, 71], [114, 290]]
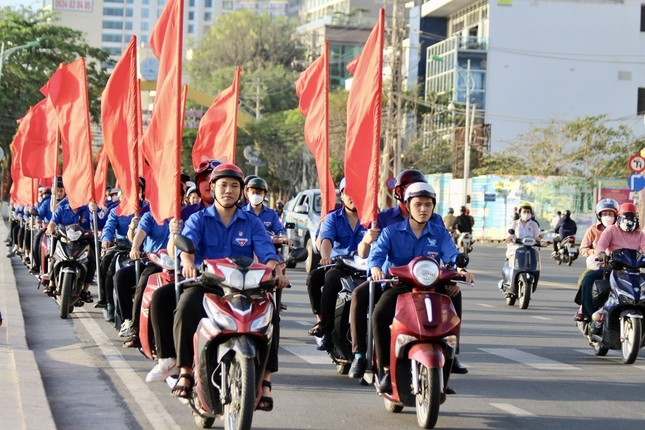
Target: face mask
[[607, 220], [255, 199], [525, 216]]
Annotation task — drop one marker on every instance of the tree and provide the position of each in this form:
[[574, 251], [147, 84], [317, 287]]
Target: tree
[[27, 70], [263, 46]]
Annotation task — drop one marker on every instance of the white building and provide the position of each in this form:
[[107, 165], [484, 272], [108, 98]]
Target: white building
[[533, 61]]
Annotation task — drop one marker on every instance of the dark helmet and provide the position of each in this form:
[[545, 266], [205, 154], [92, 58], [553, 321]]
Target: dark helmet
[[451, 211], [58, 182], [606, 205], [405, 178], [463, 209], [258, 183], [227, 170], [204, 169], [279, 204], [183, 177], [248, 178], [627, 217]]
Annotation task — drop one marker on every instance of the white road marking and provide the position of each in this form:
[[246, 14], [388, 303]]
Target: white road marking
[[541, 318], [485, 305], [513, 410], [308, 353], [303, 323], [531, 360], [155, 412]]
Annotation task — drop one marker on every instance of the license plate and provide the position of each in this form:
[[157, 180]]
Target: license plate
[[572, 250]]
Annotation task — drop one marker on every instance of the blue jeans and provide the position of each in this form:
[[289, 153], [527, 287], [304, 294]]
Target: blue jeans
[[587, 282]]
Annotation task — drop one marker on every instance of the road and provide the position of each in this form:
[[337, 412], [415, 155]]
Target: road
[[529, 369]]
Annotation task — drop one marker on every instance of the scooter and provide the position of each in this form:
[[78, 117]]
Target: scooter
[[71, 252], [341, 353], [567, 252], [156, 280], [521, 272], [425, 331], [465, 242], [232, 343], [618, 324]]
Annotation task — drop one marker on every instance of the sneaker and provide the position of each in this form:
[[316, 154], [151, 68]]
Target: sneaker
[[325, 343], [101, 305], [108, 313], [357, 370], [385, 384], [165, 367], [458, 368], [126, 329]]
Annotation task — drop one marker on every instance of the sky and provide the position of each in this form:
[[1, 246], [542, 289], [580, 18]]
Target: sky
[[14, 3]]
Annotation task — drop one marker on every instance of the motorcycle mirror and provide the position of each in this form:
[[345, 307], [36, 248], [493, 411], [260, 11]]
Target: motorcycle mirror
[[184, 244], [511, 231], [462, 260], [298, 255], [289, 225]]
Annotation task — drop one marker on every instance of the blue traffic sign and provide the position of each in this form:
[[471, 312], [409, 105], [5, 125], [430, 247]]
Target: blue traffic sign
[[489, 197], [636, 182]]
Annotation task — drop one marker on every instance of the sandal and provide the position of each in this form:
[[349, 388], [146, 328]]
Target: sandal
[[266, 402], [315, 330], [132, 342], [184, 391], [86, 296]]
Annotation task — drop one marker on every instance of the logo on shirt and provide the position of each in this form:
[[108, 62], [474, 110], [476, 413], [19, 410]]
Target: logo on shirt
[[432, 242], [267, 224], [241, 241]]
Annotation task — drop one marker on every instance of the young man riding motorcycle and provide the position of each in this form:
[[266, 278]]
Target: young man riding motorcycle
[[256, 191], [566, 227], [340, 234], [606, 213], [397, 245]]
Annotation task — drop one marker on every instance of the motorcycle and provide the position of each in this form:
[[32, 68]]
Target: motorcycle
[[618, 324], [233, 341], [424, 338], [465, 242], [521, 272], [567, 252], [71, 253], [341, 353], [156, 280]]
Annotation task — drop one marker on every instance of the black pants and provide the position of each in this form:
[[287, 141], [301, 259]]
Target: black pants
[[126, 285], [108, 269], [13, 232], [190, 311], [358, 315], [162, 308], [148, 271], [556, 240], [329, 296], [384, 315], [315, 282]]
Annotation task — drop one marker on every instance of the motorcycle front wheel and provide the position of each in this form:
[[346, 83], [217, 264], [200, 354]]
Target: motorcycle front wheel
[[524, 289], [238, 413], [66, 295], [631, 330], [429, 397]]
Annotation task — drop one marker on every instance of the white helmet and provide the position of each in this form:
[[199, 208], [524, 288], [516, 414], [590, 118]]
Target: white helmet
[[420, 189]]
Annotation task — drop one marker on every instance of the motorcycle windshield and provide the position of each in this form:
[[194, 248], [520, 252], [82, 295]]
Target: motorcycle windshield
[[629, 258]]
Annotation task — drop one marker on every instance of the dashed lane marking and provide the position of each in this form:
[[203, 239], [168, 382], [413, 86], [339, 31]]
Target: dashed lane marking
[[485, 305], [537, 317], [513, 410], [532, 360], [308, 353]]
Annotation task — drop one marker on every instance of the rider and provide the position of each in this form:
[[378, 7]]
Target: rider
[[192, 195], [463, 223], [44, 216], [449, 219], [606, 213], [524, 226], [397, 245], [255, 191], [340, 234], [221, 230], [566, 227], [279, 208]]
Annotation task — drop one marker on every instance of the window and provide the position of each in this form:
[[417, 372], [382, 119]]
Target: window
[[145, 13], [643, 17], [208, 3], [641, 102], [208, 17]]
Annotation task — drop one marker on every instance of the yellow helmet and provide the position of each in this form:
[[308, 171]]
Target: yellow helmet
[[526, 205]]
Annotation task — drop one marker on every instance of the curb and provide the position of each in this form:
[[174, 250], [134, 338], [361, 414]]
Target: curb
[[23, 402]]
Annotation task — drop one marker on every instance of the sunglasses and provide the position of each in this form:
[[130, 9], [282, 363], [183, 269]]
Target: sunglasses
[[206, 165]]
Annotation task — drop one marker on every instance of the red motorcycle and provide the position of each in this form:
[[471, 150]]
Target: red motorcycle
[[232, 342], [424, 338], [156, 280]]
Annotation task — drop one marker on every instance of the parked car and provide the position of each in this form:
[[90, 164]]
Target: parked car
[[304, 212]]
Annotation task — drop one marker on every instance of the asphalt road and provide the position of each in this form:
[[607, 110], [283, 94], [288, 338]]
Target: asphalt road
[[529, 369]]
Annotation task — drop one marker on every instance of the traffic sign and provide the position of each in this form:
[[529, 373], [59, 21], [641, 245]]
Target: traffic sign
[[636, 182], [636, 163], [489, 197], [391, 182]]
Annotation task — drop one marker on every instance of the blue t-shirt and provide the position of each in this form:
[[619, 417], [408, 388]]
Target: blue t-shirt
[[269, 218], [244, 236], [116, 226], [64, 215], [397, 245], [336, 228], [44, 209], [156, 234]]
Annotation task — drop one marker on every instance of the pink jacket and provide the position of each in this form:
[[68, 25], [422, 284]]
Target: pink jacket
[[614, 238]]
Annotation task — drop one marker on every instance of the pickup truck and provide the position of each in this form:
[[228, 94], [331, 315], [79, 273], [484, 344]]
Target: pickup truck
[[304, 212]]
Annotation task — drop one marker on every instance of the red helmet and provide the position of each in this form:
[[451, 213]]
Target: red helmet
[[627, 217], [227, 170]]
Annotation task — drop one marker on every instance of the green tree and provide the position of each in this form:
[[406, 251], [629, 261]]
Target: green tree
[[27, 70]]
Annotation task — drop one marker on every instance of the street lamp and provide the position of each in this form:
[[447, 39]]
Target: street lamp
[[5, 54]]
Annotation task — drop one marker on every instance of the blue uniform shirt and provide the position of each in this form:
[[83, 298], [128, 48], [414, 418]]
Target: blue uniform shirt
[[397, 245], [44, 209], [393, 215], [336, 228], [269, 218], [156, 235], [244, 236], [117, 225], [64, 215]]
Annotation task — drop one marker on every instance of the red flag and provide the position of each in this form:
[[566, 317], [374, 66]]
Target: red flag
[[216, 136], [100, 176], [38, 156], [313, 89], [67, 90], [119, 120], [364, 126], [162, 139], [21, 187]]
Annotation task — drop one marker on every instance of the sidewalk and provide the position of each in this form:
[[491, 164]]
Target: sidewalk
[[23, 402]]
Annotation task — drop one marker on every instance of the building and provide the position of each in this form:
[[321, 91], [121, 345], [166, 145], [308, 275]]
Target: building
[[533, 61]]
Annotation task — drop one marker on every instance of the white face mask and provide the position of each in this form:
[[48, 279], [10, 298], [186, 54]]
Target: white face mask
[[255, 199], [525, 216], [607, 220]]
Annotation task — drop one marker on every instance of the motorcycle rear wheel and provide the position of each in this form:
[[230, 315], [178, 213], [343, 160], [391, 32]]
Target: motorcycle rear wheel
[[65, 295], [429, 397], [510, 300], [599, 350], [630, 339], [238, 413]]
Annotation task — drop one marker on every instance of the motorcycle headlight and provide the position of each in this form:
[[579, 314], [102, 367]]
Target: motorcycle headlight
[[425, 272], [263, 321], [528, 241], [220, 318], [73, 234], [236, 279]]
